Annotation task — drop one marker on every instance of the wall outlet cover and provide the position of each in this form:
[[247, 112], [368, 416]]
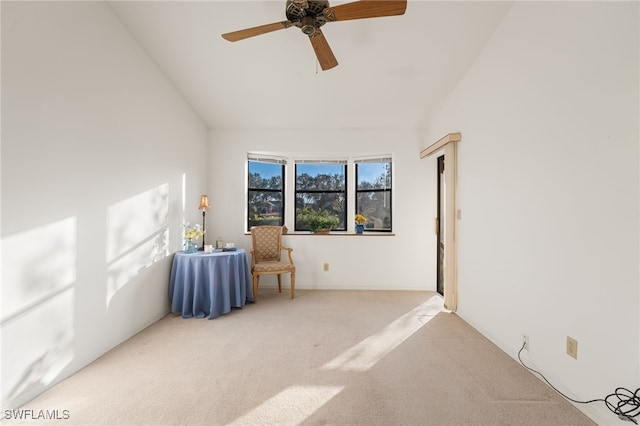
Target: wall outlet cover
[[572, 347]]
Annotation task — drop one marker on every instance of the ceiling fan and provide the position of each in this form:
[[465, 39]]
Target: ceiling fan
[[310, 15]]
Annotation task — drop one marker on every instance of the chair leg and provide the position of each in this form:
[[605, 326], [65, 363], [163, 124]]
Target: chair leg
[[279, 283], [256, 278], [293, 284]]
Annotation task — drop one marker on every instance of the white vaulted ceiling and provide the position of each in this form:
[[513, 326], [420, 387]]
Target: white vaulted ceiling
[[393, 72]]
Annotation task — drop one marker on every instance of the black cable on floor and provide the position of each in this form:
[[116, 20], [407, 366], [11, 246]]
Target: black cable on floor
[[626, 407]]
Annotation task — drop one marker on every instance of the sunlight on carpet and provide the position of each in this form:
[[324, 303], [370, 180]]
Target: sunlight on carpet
[[291, 406], [368, 352]]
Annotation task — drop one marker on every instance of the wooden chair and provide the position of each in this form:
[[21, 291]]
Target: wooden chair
[[266, 257]]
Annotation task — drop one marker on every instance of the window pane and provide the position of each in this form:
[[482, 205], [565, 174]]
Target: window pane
[[374, 175], [320, 177], [265, 194], [265, 175], [265, 208], [376, 207], [329, 204]]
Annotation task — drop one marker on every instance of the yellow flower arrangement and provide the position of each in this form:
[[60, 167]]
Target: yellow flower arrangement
[[360, 219], [193, 232]]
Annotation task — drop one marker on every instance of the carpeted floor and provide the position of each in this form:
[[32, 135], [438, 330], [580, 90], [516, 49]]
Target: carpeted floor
[[324, 358]]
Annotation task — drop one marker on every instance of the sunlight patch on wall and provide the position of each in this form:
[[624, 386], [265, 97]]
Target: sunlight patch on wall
[[39, 269], [368, 352], [37, 264], [184, 193], [290, 407], [126, 268], [137, 236], [36, 346], [136, 219]]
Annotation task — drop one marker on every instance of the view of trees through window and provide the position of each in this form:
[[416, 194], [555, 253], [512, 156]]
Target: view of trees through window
[[373, 193], [265, 194], [321, 189]]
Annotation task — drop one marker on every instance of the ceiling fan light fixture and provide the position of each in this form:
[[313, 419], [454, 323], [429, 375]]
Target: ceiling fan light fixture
[[308, 25]]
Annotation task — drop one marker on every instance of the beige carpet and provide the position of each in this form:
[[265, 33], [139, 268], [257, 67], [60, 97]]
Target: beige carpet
[[324, 358]]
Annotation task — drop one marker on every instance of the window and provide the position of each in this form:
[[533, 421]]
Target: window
[[293, 190], [373, 192], [321, 188], [265, 185]]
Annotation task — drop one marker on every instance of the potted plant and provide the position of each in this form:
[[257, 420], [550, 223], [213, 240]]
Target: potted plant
[[322, 224], [317, 221], [320, 221]]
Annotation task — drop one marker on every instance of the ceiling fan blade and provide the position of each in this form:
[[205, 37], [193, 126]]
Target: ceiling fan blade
[[256, 31], [323, 51], [365, 9]]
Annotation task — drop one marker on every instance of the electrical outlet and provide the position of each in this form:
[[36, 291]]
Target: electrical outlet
[[572, 347], [325, 267], [525, 341]]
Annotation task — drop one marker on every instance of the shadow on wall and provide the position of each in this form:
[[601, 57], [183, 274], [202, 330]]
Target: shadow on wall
[[37, 306]]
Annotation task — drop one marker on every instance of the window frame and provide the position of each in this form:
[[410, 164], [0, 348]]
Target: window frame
[[386, 190], [283, 173], [345, 169]]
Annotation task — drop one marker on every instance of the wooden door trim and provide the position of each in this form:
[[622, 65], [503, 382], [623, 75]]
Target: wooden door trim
[[451, 137], [450, 233]]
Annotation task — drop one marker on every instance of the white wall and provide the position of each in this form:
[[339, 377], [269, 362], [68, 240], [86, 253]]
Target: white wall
[[96, 148], [399, 262], [549, 191]]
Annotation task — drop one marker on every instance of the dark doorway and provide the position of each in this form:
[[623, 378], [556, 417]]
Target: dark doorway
[[440, 226]]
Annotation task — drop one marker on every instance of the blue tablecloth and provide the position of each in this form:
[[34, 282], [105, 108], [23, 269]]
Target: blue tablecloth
[[209, 284]]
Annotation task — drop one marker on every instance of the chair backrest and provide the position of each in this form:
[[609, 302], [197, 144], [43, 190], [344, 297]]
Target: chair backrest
[[267, 243]]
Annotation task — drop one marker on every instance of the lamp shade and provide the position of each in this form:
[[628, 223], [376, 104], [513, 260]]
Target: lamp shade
[[204, 202]]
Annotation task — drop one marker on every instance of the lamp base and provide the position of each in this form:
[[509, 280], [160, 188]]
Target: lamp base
[[203, 230]]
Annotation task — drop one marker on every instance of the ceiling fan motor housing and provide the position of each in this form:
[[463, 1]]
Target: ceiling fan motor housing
[[307, 14]]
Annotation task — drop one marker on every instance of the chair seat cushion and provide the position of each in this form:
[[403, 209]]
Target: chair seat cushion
[[273, 266]]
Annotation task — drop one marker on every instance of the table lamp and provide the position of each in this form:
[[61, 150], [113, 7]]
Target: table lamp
[[204, 204]]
